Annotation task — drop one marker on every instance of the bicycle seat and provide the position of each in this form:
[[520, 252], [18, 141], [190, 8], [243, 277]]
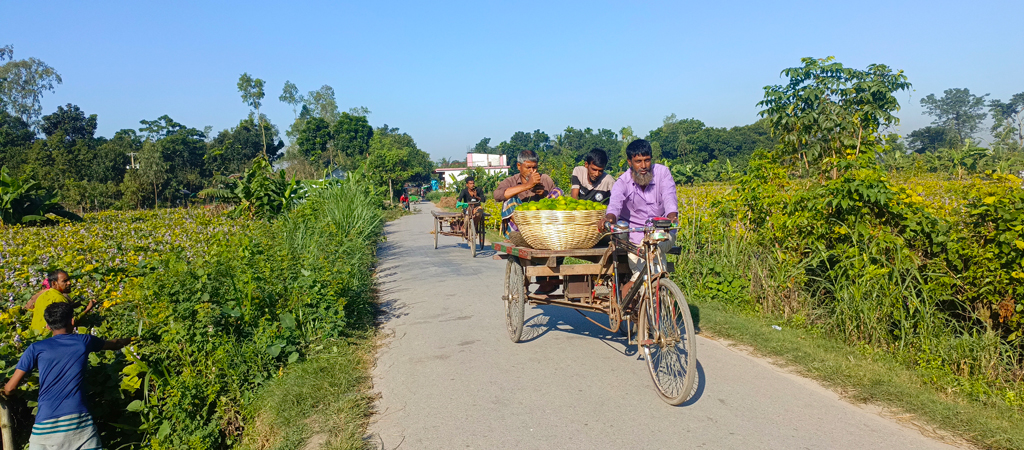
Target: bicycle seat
[[675, 250]]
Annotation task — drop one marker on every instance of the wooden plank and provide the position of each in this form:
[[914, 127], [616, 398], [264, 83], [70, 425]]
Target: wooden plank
[[572, 269], [532, 253], [444, 214]]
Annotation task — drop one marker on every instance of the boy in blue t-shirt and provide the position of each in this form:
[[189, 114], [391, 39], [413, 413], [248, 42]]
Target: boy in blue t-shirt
[[63, 421]]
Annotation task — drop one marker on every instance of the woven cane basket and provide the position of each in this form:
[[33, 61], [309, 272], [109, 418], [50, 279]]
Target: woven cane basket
[[559, 230], [516, 238]]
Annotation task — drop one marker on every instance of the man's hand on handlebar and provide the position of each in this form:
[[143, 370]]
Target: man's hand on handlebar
[[606, 224]]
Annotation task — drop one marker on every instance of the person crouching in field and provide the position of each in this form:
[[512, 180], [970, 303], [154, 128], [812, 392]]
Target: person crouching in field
[[59, 287], [62, 421]]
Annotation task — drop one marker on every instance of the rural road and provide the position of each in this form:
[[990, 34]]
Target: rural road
[[449, 377]]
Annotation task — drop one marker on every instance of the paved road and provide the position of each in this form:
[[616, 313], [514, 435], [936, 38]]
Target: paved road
[[449, 378]]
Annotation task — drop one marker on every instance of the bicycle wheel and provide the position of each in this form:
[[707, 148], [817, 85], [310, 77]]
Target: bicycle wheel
[[671, 349], [471, 235], [481, 233], [437, 230], [515, 298]]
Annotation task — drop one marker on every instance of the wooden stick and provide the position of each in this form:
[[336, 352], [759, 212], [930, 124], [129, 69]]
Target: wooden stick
[[5, 426]]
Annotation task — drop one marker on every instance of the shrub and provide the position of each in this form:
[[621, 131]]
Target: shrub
[[218, 307]]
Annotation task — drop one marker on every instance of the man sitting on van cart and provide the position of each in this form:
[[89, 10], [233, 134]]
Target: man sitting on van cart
[[644, 192], [526, 186], [589, 182]]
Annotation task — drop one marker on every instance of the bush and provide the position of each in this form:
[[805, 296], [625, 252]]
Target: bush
[[220, 313], [873, 262], [436, 196]]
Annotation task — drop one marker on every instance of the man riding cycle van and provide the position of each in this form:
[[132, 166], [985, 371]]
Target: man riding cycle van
[[589, 182], [644, 192], [472, 194]]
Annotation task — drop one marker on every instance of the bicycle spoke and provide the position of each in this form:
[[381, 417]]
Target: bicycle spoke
[[671, 355]]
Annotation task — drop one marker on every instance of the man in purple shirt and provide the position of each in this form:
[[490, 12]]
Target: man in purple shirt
[[644, 192]]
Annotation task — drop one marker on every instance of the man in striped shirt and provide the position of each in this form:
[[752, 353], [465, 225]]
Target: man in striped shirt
[[62, 421]]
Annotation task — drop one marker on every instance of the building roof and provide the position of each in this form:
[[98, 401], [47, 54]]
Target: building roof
[[452, 169]]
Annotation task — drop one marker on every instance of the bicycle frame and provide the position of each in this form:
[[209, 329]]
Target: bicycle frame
[[631, 303]]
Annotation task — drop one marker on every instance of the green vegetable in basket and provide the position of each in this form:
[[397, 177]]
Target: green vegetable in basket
[[562, 204]]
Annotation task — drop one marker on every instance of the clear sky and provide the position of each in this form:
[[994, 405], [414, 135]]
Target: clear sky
[[450, 73]]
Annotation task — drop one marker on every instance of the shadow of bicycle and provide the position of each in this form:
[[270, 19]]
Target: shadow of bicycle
[[557, 319]]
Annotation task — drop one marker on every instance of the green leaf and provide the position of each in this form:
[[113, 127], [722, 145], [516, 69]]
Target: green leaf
[[135, 406], [274, 350], [287, 320], [164, 430], [293, 357]]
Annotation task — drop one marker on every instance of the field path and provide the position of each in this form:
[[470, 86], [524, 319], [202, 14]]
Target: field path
[[449, 378]]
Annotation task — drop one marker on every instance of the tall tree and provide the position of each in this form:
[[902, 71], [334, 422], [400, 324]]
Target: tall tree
[[69, 151], [231, 151], [1009, 118], [15, 137], [290, 96], [826, 109], [161, 127], [537, 141], [929, 139], [71, 122], [394, 158], [350, 138], [671, 136], [957, 110], [152, 169], [182, 153], [314, 139], [112, 157], [484, 146], [322, 103], [22, 84], [252, 94], [359, 111]]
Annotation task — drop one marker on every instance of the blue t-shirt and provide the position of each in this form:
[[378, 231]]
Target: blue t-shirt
[[61, 362]]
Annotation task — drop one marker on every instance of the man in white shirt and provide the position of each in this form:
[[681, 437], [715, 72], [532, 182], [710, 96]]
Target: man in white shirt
[[589, 182]]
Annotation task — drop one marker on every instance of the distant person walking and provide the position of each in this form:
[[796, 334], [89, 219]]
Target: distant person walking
[[62, 421]]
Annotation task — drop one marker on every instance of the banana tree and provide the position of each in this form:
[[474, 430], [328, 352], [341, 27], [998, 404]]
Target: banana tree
[[24, 201]]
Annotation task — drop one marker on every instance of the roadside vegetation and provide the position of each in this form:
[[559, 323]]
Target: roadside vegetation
[[920, 277], [223, 311]]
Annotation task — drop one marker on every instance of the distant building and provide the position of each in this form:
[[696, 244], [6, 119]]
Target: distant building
[[493, 164]]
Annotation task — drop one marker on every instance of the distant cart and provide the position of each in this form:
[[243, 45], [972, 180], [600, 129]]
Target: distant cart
[[465, 225], [653, 315]]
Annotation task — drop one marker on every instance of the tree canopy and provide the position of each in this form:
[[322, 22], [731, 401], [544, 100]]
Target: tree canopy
[[22, 84], [958, 111], [826, 109]]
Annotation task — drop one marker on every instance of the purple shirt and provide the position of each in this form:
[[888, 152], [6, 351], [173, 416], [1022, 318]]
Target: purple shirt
[[636, 205]]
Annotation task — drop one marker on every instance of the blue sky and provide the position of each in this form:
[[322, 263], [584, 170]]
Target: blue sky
[[451, 73]]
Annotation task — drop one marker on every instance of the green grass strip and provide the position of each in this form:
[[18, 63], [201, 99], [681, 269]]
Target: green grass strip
[[323, 402]]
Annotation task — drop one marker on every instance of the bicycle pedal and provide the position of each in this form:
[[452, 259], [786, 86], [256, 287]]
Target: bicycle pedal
[[647, 342]]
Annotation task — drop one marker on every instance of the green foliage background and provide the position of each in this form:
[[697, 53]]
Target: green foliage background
[[213, 327]]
